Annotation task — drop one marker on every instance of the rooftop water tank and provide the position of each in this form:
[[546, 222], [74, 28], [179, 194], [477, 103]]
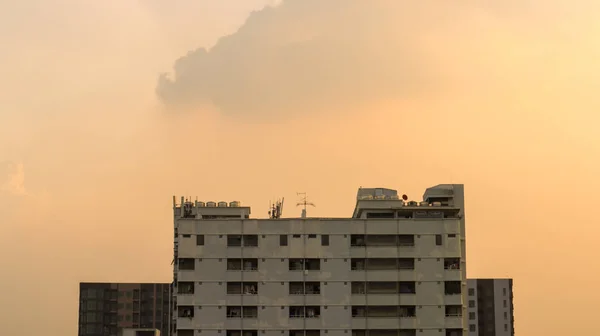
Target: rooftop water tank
[[394, 197], [380, 197], [234, 204], [222, 204], [211, 204], [201, 204], [424, 203], [437, 203]]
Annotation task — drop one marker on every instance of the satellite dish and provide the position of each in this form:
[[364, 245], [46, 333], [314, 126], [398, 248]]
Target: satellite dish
[[404, 197]]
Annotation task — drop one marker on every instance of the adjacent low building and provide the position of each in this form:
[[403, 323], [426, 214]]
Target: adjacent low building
[[490, 307], [106, 308]]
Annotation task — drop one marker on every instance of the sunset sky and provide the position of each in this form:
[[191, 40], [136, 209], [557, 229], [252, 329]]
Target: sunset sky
[[108, 108]]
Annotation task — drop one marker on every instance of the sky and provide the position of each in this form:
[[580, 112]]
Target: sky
[[108, 108]]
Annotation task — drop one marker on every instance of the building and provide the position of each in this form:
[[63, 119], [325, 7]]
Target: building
[[395, 268], [490, 307], [106, 308], [139, 332]]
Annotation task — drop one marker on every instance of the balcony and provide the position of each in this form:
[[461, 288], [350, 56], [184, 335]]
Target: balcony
[[246, 264], [454, 332], [185, 287], [305, 264], [305, 312], [304, 288], [242, 240], [384, 311], [305, 333], [452, 288], [241, 333], [242, 288], [384, 332], [383, 287], [186, 264], [185, 311], [382, 240], [247, 312]]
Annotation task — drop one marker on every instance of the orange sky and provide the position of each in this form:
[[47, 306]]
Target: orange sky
[[315, 96]]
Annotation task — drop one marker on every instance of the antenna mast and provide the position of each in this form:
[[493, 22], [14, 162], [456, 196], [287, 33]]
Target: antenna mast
[[304, 202], [276, 209]]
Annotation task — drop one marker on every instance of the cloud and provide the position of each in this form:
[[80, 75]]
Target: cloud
[[305, 54], [12, 178]]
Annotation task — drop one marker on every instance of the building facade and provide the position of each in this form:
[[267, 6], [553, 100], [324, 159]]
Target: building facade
[[490, 307], [395, 268], [106, 308]]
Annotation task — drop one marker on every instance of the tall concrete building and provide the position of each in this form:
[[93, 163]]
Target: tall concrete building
[[395, 268], [490, 307], [106, 308]]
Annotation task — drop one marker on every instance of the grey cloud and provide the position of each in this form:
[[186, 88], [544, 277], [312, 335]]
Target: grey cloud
[[309, 53]]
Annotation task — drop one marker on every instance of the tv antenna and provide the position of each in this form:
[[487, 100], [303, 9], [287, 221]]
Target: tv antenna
[[304, 202], [276, 209]]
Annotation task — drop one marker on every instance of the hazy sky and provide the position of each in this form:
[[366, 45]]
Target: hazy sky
[[320, 96]]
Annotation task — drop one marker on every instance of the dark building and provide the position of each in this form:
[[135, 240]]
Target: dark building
[[105, 308], [490, 307]]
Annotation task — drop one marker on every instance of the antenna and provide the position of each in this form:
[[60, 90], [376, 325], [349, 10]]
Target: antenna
[[304, 202], [276, 209]]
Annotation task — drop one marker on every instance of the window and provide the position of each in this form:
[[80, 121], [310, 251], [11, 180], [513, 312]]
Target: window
[[324, 240], [296, 236], [283, 240], [505, 327], [312, 236], [504, 291], [471, 303], [471, 291], [452, 235], [505, 315], [438, 240], [471, 315], [505, 304], [200, 240], [472, 328]]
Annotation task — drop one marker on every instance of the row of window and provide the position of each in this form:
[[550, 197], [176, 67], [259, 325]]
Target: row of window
[[315, 311], [314, 287], [317, 332], [314, 264], [114, 294], [355, 240]]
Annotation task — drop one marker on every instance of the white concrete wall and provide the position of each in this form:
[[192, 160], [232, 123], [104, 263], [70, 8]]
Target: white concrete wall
[[211, 274]]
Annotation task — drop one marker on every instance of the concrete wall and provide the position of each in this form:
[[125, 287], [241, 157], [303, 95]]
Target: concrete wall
[[273, 274]]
